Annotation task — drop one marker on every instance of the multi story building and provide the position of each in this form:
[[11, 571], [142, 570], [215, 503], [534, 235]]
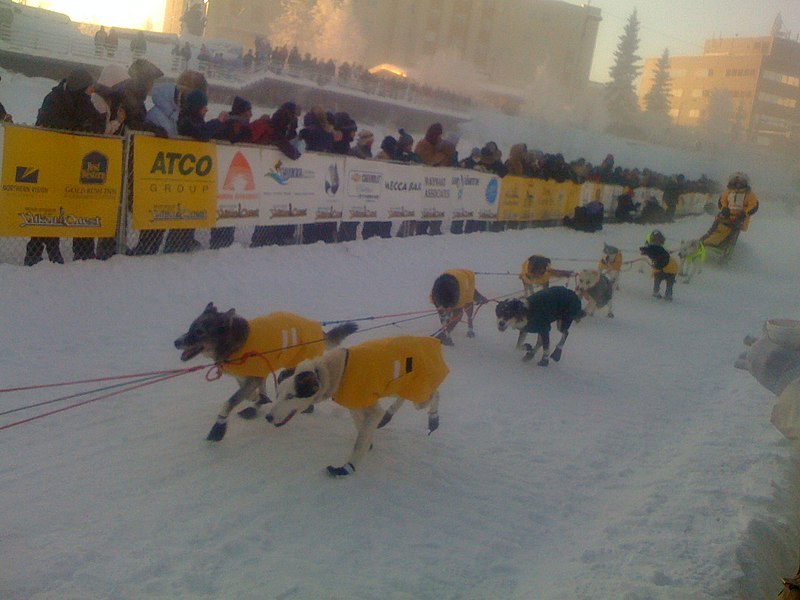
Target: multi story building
[[754, 82], [510, 42]]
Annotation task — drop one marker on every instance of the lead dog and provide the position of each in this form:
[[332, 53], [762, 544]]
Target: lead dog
[[535, 314], [453, 294], [692, 255], [597, 290], [252, 350], [404, 367]]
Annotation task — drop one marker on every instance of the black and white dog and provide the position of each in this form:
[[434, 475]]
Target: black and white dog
[[404, 367], [597, 290], [454, 294], [535, 314], [252, 350]]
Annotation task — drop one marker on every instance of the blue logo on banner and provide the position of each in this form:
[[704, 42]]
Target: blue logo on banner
[[491, 191]]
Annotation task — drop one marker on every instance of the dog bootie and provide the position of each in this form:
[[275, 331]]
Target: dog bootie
[[529, 353], [341, 471], [544, 361], [556, 355], [470, 334]]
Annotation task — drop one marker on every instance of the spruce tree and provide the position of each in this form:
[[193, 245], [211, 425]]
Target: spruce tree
[[656, 101], [620, 92]]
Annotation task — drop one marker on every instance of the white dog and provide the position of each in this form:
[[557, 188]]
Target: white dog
[[597, 290], [610, 264], [403, 367], [692, 256]]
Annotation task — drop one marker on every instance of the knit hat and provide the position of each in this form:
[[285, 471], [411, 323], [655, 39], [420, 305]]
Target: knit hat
[[365, 136], [404, 139], [240, 106], [196, 99], [111, 75], [475, 151], [389, 145], [79, 80], [292, 107]]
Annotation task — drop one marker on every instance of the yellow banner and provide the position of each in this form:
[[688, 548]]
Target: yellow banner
[[514, 201], [58, 184], [175, 184]]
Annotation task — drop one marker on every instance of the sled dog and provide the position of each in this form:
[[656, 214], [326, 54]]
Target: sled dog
[[692, 255], [610, 264], [404, 367], [252, 350], [454, 294], [535, 273], [597, 290], [535, 314]]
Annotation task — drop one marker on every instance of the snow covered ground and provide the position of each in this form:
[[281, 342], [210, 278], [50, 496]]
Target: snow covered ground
[[643, 465]]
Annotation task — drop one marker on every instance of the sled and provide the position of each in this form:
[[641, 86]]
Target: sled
[[721, 238]]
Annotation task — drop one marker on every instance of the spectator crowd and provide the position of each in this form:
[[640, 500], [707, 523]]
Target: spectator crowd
[[117, 102]]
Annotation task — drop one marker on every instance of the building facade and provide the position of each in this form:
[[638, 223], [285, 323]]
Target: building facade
[[752, 83], [509, 42]]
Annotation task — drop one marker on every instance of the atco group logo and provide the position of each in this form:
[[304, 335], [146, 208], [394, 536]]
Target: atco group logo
[[175, 163], [94, 169], [26, 175]]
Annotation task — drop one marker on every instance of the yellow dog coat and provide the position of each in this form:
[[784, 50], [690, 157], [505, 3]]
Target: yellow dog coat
[[405, 366], [466, 286], [276, 341], [610, 266]]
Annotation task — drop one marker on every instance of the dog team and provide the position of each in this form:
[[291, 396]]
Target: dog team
[[309, 365]]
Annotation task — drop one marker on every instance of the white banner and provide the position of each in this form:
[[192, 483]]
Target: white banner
[[402, 191]]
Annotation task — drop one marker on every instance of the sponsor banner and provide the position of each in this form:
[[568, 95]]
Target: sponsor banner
[[59, 185], [438, 194], [590, 192], [401, 198], [239, 185], [514, 201], [175, 184], [549, 200], [476, 196], [363, 189], [306, 190], [572, 197], [643, 194]]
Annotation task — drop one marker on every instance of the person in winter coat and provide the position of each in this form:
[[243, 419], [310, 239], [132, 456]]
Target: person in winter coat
[[112, 41], [388, 149], [472, 160], [491, 160], [405, 145], [626, 207], [344, 132], [428, 148], [317, 132], [236, 128], [738, 202], [363, 147], [100, 38], [68, 107], [517, 161], [164, 111], [135, 90], [107, 99], [139, 45]]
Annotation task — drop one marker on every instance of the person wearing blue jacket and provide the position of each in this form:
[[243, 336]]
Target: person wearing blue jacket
[[164, 111]]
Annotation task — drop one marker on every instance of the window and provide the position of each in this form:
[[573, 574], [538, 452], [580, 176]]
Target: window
[[677, 73], [674, 112], [778, 100], [697, 93], [781, 78], [694, 113], [678, 93]]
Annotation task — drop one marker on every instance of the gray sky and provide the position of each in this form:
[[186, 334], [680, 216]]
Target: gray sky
[[683, 25]]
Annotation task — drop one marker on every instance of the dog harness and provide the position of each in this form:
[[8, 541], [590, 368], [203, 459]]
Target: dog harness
[[276, 341], [466, 286], [405, 366], [671, 268]]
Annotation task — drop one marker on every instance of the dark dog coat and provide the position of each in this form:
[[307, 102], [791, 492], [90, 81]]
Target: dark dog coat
[[601, 292], [405, 366], [552, 304]]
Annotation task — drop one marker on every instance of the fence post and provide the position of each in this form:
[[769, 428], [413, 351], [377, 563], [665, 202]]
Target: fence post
[[127, 182]]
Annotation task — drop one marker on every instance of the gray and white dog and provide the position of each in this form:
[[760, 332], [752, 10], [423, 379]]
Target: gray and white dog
[[597, 290]]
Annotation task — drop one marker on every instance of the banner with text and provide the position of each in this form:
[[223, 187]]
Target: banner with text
[[175, 183], [73, 194]]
